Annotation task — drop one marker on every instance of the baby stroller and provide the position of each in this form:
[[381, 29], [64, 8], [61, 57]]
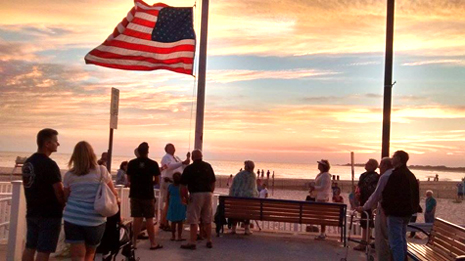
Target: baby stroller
[[368, 251], [117, 236]]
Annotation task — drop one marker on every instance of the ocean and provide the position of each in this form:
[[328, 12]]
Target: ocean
[[223, 167]]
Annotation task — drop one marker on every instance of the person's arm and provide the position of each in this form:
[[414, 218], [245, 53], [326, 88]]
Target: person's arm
[[156, 174], [213, 186], [54, 178], [66, 192], [59, 193]]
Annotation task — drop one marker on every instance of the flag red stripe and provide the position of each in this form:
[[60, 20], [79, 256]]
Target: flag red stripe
[[108, 55], [137, 34], [143, 22], [150, 49], [141, 68]]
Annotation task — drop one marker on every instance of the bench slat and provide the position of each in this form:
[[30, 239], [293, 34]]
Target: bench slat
[[450, 236], [425, 252], [453, 246]]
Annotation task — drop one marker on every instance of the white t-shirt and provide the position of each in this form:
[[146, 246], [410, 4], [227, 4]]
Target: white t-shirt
[[263, 193], [174, 165]]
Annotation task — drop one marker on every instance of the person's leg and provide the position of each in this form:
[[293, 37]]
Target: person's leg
[[193, 234], [208, 228], [405, 221], [381, 237], [78, 251], [49, 232], [137, 225], [90, 253], [233, 227], [42, 256], [173, 230], [28, 254], [151, 231], [32, 236], [179, 230], [396, 239], [413, 219]]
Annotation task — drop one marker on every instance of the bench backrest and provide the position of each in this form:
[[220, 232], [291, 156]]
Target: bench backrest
[[290, 211], [447, 238]]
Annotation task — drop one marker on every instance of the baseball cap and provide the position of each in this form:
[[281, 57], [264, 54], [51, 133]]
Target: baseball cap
[[323, 162]]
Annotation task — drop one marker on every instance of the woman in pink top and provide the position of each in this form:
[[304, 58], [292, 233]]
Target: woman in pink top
[[323, 190]]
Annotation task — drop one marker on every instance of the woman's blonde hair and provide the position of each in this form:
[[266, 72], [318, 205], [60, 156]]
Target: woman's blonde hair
[[83, 159]]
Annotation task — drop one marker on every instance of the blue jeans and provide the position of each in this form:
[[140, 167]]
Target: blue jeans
[[397, 229]]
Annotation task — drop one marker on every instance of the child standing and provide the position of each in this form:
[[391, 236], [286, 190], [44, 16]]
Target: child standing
[[337, 198], [430, 208], [264, 192], [176, 209]]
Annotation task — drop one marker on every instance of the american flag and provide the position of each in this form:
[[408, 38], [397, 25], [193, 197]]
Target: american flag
[[149, 38]]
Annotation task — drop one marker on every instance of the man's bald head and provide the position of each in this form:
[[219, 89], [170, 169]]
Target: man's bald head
[[197, 154]]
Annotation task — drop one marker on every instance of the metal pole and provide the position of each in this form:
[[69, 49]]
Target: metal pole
[[352, 168], [388, 78], [201, 77], [110, 149]]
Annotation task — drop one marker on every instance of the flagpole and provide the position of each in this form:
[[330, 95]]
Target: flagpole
[[201, 77], [388, 78]]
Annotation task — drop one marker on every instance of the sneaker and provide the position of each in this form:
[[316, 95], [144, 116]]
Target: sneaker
[[320, 237], [248, 232]]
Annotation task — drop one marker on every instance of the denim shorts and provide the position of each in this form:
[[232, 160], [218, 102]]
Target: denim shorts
[[90, 236], [43, 233]]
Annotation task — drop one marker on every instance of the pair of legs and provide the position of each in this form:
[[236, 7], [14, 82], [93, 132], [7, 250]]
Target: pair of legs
[[199, 208], [82, 252], [140, 209], [193, 233], [41, 238], [29, 254], [173, 230], [381, 237], [413, 219], [397, 229], [246, 227], [150, 230]]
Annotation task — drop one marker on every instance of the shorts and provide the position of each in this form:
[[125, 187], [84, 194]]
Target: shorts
[[43, 233], [199, 207], [90, 236], [363, 221], [142, 208]]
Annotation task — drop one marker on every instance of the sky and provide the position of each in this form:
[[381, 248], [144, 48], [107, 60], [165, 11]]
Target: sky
[[287, 81]]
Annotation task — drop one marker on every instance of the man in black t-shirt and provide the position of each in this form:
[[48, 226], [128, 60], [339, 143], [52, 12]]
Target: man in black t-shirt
[[44, 198], [200, 181], [143, 173]]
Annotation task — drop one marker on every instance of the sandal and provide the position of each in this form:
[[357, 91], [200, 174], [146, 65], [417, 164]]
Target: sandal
[[189, 246], [209, 245], [158, 246]]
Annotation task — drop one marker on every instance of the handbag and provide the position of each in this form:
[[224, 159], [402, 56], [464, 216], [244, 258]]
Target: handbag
[[106, 203]]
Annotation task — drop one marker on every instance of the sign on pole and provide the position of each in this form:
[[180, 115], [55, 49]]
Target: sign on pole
[[114, 108]]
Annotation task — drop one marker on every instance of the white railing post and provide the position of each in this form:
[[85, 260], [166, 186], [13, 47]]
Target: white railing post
[[215, 203], [17, 233]]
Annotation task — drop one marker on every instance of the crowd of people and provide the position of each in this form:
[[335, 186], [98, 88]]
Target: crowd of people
[[186, 188], [186, 194]]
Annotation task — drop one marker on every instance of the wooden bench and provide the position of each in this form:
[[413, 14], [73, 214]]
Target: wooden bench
[[445, 242], [289, 211]]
